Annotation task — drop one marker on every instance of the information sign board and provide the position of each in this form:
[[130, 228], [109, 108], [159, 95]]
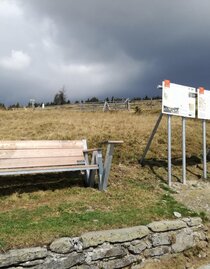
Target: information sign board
[[178, 100], [203, 104]]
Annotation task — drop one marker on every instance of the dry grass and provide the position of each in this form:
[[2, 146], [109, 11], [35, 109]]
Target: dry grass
[[98, 126], [36, 209]]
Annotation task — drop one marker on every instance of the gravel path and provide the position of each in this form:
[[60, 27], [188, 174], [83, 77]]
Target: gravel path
[[205, 267], [195, 195]]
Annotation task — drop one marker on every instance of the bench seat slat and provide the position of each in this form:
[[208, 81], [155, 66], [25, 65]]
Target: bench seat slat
[[36, 153], [39, 162], [5, 172], [41, 144]]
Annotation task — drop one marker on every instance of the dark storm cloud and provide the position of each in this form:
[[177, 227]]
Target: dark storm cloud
[[105, 47]]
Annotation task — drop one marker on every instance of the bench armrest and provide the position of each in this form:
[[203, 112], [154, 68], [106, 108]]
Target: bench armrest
[[91, 150], [108, 160], [114, 142]]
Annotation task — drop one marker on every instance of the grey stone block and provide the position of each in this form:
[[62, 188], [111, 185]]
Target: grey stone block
[[32, 263], [200, 236], [158, 251], [64, 262], [164, 226], [107, 251], [159, 239], [138, 248], [119, 263], [18, 256], [66, 245], [183, 240], [19, 267], [193, 221], [84, 266], [114, 236]]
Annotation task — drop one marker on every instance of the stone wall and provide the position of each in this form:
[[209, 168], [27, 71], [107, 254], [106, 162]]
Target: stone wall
[[120, 248]]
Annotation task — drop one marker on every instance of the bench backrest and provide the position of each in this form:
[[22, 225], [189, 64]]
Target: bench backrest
[[41, 153]]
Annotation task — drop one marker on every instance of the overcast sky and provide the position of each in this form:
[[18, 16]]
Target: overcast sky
[[101, 48]]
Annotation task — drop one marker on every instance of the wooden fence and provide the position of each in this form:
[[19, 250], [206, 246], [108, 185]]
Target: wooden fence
[[97, 106], [104, 106]]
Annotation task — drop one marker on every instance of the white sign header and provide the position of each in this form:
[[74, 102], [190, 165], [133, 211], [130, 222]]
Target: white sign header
[[203, 104]]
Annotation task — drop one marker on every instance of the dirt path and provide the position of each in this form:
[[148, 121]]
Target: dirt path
[[195, 195]]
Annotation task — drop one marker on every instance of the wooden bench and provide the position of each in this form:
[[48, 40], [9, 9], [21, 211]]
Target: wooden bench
[[47, 156]]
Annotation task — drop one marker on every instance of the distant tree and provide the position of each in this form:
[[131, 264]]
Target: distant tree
[[36, 104], [107, 99], [49, 104], [146, 98], [112, 99], [92, 100], [2, 106], [60, 97], [136, 99], [17, 105]]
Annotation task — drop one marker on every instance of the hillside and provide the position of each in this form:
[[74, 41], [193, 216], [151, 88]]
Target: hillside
[[36, 209]]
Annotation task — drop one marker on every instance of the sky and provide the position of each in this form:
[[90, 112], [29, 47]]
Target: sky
[[102, 48]]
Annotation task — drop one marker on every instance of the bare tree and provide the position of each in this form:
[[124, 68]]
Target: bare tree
[[60, 97]]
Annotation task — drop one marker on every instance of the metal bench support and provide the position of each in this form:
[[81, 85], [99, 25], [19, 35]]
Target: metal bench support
[[108, 161]]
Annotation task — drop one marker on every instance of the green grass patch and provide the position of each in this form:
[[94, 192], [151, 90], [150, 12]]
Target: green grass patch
[[167, 205], [165, 187], [40, 226]]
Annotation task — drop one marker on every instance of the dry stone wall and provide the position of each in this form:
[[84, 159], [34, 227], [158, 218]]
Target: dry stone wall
[[120, 248]]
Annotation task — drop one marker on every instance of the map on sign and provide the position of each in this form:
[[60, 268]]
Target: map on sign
[[178, 100], [203, 104]]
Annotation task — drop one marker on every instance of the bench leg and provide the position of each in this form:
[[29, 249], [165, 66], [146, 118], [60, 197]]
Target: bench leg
[[92, 172], [87, 172], [100, 170], [90, 175], [107, 165]]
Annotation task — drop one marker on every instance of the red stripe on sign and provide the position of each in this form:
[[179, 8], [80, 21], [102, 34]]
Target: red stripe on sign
[[201, 90], [167, 83]]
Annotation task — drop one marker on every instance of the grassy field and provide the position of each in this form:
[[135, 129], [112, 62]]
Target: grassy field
[[36, 209]]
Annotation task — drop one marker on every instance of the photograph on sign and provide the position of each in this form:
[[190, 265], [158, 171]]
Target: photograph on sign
[[203, 104], [178, 100]]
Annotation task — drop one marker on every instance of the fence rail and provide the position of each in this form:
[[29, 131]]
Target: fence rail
[[127, 105], [97, 106]]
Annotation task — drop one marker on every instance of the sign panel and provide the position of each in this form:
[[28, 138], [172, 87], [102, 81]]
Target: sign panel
[[178, 100], [203, 104]]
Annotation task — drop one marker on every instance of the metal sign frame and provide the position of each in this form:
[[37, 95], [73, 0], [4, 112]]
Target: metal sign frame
[[169, 130]]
